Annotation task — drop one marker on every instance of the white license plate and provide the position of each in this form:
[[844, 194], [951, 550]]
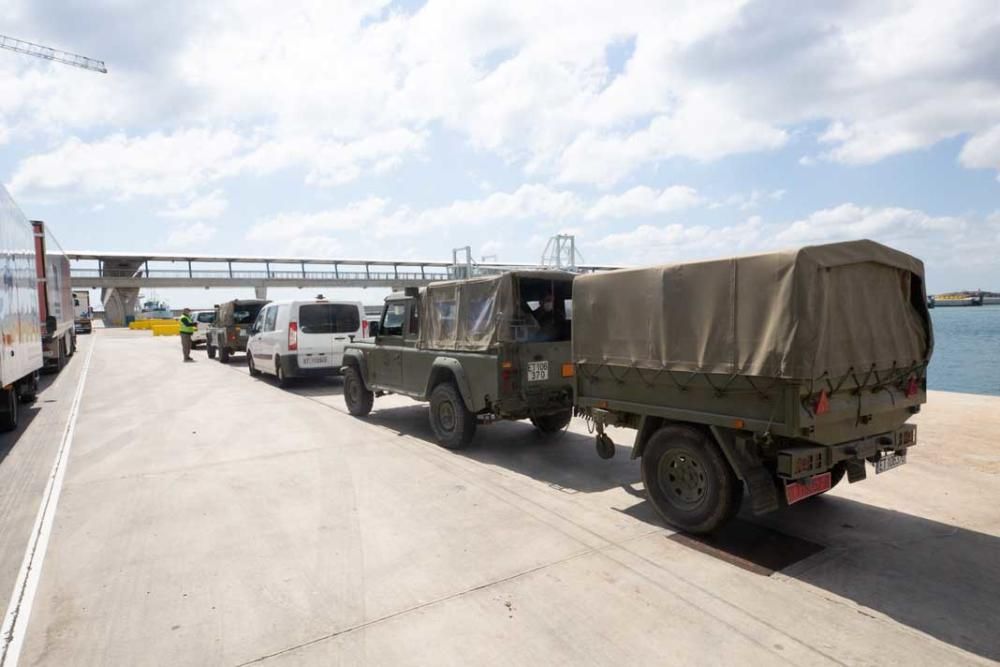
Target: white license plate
[[538, 370], [889, 461], [314, 360]]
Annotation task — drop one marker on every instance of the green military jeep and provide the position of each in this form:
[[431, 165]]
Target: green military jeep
[[478, 350]]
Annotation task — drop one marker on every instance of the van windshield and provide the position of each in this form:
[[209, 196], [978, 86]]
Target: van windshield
[[320, 318]]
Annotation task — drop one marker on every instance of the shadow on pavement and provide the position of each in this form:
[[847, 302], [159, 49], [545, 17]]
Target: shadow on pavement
[[26, 414]]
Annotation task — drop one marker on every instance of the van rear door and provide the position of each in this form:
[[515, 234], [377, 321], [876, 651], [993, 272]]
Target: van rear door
[[324, 330]]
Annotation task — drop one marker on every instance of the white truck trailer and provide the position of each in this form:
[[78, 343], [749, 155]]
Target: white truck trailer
[[55, 299], [20, 319]]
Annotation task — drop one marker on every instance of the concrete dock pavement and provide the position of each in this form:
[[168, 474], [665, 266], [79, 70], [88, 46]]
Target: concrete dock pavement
[[208, 517]]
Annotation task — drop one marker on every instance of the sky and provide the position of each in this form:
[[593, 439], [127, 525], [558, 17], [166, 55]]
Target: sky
[[652, 131]]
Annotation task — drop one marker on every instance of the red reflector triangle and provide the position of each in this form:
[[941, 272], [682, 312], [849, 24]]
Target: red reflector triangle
[[822, 403]]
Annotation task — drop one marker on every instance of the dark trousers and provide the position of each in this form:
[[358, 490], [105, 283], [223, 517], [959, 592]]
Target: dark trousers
[[186, 345]]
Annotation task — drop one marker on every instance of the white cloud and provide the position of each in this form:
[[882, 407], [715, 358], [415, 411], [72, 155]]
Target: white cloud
[[642, 201], [982, 151], [677, 241], [209, 206], [356, 217], [193, 234], [851, 221]]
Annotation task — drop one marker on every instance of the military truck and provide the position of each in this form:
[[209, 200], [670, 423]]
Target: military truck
[[230, 329], [478, 350], [776, 374]]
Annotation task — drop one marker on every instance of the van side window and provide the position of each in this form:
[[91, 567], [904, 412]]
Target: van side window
[[258, 323], [392, 319], [270, 319]]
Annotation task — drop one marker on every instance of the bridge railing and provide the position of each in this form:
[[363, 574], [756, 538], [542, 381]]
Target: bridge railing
[[337, 275]]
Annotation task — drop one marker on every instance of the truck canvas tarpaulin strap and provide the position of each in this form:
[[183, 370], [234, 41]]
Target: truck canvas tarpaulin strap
[[825, 310]]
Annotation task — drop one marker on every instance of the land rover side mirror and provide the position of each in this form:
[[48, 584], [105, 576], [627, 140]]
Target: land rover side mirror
[[350, 337]]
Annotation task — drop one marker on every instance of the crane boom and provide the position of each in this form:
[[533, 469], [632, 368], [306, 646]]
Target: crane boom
[[39, 51]]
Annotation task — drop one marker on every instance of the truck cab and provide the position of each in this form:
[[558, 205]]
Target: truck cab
[[478, 350]]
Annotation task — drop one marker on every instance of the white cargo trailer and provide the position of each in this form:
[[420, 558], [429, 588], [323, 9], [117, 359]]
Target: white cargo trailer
[[20, 322]]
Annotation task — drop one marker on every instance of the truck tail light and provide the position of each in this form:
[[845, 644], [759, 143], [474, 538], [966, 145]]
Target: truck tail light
[[912, 387], [568, 370], [822, 403], [293, 336], [364, 328]]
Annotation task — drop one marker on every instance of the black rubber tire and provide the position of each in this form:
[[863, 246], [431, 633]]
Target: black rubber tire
[[358, 399], [253, 369], [554, 423], [8, 416], [61, 361], [224, 355], [72, 346], [29, 390], [279, 373], [452, 423], [837, 473], [210, 350], [705, 492]]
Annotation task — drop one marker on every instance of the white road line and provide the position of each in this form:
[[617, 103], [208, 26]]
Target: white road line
[[15, 621]]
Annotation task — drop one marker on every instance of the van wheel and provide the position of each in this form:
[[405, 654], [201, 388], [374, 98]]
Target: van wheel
[[688, 480], [451, 421], [224, 355], [253, 369], [279, 372], [210, 350], [358, 399], [554, 423], [8, 409]]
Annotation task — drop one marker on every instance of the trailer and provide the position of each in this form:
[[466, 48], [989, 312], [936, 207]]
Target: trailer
[[775, 375], [55, 299], [21, 340], [83, 315]]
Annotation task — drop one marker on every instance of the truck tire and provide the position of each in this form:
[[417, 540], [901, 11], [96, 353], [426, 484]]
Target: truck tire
[[61, 361], [224, 355], [8, 409], [28, 391], [210, 350], [451, 421], [554, 423], [688, 479], [358, 399]]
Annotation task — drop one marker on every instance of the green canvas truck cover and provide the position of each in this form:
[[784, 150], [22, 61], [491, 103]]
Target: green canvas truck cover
[[797, 314], [476, 314]]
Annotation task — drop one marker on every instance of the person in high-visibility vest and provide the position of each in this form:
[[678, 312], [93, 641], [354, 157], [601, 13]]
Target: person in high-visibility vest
[[188, 327]]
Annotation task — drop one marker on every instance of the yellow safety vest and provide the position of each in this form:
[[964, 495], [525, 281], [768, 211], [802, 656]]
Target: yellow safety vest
[[187, 325]]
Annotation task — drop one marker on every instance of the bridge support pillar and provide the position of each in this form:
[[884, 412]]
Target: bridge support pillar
[[119, 302], [260, 292]]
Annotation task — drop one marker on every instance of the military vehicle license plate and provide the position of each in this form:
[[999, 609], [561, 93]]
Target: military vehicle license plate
[[538, 370], [889, 461], [796, 491]]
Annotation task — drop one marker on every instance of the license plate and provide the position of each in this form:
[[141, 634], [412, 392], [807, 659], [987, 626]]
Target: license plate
[[538, 370], [313, 360], [802, 489], [889, 461]]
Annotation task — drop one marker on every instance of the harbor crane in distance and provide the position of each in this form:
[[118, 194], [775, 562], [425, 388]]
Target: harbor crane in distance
[[48, 53]]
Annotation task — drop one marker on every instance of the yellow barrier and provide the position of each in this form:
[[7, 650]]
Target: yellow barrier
[[166, 329], [149, 324]]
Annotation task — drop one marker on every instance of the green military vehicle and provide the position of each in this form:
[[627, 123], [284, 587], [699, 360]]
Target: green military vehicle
[[230, 330], [776, 374], [478, 350]]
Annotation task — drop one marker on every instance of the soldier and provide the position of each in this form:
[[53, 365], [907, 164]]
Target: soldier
[[187, 328]]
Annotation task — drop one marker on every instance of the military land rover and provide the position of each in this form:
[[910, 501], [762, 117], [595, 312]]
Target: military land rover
[[230, 329], [478, 350]]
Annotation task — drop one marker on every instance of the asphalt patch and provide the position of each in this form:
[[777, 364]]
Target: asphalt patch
[[752, 547]]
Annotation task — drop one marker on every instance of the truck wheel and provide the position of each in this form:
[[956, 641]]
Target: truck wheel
[[253, 369], [358, 399], [451, 421], [61, 361], [210, 350], [29, 389], [554, 423], [8, 409], [688, 480], [224, 355], [837, 473]]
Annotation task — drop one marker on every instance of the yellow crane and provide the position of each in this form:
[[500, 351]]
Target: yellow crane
[[39, 51]]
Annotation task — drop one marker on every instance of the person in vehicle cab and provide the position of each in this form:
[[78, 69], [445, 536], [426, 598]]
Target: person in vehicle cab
[[187, 327], [545, 316]]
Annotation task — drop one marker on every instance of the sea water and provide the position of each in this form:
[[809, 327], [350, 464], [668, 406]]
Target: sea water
[[966, 350]]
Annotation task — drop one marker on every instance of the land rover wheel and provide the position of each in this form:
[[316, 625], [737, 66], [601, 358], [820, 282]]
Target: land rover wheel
[[358, 399], [554, 423], [688, 480], [224, 355], [8, 409], [253, 369], [210, 350], [451, 421]]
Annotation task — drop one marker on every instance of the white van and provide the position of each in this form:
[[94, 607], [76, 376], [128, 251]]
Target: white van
[[202, 321], [302, 338]]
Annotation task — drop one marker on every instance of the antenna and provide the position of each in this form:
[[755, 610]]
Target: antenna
[[39, 51]]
